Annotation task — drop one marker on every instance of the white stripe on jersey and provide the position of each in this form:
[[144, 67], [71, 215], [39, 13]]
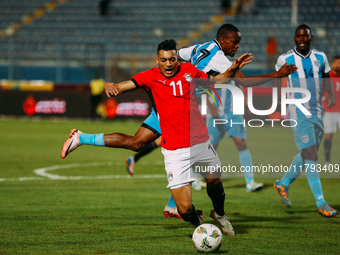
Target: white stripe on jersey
[[210, 64], [303, 82], [317, 80]]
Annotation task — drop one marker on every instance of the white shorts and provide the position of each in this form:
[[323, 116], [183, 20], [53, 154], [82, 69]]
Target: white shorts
[[180, 163], [331, 122]]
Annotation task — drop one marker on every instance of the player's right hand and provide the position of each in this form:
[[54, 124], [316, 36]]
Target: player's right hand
[[112, 89]]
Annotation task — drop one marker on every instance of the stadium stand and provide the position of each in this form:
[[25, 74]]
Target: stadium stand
[[65, 34]]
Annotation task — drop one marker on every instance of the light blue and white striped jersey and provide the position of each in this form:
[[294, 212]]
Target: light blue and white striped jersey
[[209, 58], [308, 76]]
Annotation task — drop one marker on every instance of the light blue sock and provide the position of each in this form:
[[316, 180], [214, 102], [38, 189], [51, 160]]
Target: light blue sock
[[171, 202], [88, 139], [247, 163], [314, 181], [294, 170]]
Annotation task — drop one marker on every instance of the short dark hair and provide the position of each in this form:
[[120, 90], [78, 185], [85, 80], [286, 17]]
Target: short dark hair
[[336, 57], [304, 26], [167, 45], [225, 29]]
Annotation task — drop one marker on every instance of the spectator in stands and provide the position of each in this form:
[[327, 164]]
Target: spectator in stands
[[225, 6], [97, 88], [271, 49], [104, 7], [246, 7]]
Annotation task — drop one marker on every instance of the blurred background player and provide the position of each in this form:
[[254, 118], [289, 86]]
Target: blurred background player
[[271, 50], [312, 66], [97, 89], [332, 115]]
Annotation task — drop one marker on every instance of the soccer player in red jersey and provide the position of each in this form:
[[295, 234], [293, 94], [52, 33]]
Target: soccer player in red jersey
[[185, 140], [185, 137], [331, 117]]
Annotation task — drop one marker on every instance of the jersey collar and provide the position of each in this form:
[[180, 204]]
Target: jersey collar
[[300, 55], [218, 44]]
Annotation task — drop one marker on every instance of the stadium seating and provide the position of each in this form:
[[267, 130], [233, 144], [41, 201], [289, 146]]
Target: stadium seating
[[74, 34]]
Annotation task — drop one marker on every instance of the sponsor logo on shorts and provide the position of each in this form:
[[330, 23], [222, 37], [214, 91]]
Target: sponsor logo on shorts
[[170, 176]]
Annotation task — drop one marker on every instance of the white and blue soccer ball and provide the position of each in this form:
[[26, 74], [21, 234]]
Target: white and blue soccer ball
[[207, 238]]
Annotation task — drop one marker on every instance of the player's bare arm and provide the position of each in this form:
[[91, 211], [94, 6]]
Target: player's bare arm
[[115, 89], [255, 80], [238, 63], [328, 87]]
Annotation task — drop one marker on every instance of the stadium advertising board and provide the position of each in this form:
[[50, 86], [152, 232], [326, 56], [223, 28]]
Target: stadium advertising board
[[47, 99]]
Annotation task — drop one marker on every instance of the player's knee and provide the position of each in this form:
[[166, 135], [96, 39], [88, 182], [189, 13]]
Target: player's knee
[[214, 182], [310, 155], [240, 143]]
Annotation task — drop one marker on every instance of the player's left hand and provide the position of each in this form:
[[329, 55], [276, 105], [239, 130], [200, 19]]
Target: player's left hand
[[243, 60], [112, 89]]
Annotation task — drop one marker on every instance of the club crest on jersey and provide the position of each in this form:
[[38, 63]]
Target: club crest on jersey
[[305, 139], [317, 63], [188, 77]]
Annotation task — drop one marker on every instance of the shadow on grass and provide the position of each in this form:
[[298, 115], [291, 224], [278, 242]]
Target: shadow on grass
[[265, 186], [250, 222], [336, 207], [244, 223], [245, 220]]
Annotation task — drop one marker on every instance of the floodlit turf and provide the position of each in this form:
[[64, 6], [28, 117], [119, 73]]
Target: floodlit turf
[[121, 215]]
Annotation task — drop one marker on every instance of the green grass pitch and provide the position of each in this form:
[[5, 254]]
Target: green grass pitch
[[94, 208]]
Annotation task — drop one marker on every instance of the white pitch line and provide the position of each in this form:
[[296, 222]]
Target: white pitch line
[[44, 173], [22, 179]]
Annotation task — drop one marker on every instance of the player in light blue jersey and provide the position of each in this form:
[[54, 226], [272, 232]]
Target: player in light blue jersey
[[211, 57], [312, 67]]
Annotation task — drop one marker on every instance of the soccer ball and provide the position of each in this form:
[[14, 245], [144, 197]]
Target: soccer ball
[[207, 238]]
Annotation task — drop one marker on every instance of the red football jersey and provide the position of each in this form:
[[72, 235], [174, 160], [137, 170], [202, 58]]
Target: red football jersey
[[336, 88], [181, 122]]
